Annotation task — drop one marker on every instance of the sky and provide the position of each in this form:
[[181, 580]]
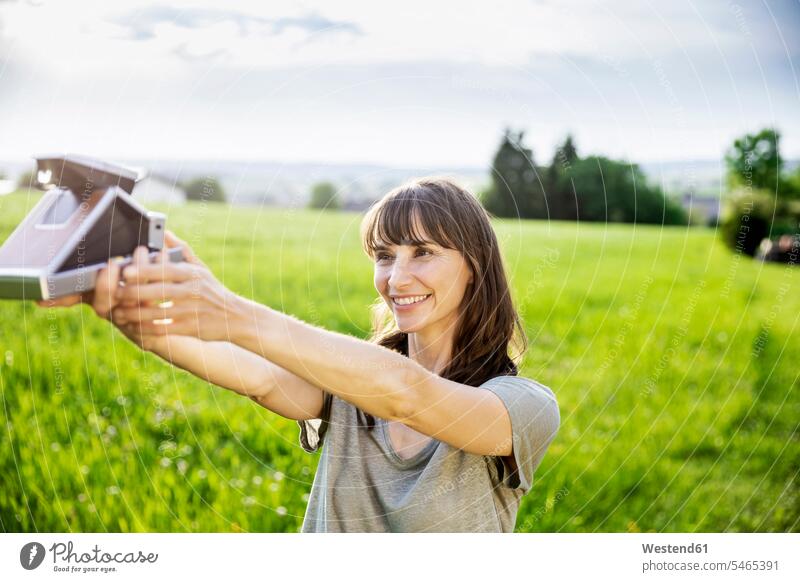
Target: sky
[[415, 83]]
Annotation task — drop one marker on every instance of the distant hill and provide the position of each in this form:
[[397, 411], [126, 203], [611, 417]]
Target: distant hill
[[288, 184], [701, 177]]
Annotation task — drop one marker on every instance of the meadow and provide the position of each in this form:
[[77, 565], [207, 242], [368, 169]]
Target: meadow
[[674, 360]]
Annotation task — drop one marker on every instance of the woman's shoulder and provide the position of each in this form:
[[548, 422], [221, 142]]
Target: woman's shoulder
[[525, 395], [521, 383]]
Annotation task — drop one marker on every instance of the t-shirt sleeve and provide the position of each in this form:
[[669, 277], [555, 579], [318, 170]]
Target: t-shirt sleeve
[[312, 432], [535, 419]]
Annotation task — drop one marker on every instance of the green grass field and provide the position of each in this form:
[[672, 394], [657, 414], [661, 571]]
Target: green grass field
[[675, 363]]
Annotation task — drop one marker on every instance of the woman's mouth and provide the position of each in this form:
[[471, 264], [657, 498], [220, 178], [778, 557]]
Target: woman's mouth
[[409, 302]]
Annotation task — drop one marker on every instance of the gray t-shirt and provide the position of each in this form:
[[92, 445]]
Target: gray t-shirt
[[362, 485]]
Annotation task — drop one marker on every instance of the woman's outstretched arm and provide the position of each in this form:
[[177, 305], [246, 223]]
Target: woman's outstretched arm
[[221, 363], [241, 371], [377, 380], [371, 377]]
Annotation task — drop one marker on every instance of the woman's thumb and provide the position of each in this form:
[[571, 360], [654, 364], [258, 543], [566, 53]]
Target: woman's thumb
[[172, 241]]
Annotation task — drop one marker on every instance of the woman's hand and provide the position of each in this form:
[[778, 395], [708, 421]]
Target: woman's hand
[[164, 298], [150, 343], [103, 298]]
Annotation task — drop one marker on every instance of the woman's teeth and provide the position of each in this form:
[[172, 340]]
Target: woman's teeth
[[410, 300]]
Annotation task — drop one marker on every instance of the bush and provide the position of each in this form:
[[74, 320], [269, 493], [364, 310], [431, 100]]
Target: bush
[[615, 191], [206, 189], [790, 185], [27, 180], [324, 196], [752, 215]]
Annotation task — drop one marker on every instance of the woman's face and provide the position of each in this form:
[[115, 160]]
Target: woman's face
[[423, 284]]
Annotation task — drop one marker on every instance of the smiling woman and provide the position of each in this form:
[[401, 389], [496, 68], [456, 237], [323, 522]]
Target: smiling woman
[[445, 304], [427, 426]]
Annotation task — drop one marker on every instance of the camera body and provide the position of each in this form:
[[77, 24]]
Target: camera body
[[86, 217]]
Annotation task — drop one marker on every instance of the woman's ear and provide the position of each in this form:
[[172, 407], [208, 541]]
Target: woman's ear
[[471, 269]]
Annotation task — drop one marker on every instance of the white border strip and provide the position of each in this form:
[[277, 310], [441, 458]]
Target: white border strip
[[461, 557]]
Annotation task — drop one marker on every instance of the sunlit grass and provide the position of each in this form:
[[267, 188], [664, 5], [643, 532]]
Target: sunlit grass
[[673, 359]]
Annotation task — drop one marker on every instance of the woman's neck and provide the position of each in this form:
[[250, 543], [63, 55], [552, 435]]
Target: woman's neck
[[431, 349]]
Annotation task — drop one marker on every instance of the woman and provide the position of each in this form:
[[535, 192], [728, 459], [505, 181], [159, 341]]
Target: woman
[[425, 428]]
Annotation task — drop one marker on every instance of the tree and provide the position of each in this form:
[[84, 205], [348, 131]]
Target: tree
[[789, 186], [590, 189], [515, 190], [614, 191], [27, 180], [206, 189], [763, 202], [566, 153], [559, 186], [324, 196], [754, 161]]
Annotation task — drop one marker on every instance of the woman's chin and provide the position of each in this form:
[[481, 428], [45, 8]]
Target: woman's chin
[[407, 326]]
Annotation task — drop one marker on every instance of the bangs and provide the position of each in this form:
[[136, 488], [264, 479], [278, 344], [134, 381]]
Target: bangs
[[409, 216]]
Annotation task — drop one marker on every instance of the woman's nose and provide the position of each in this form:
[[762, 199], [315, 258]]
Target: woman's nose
[[400, 275]]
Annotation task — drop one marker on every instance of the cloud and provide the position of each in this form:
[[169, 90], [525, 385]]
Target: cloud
[[198, 34], [649, 81], [184, 53], [285, 34], [317, 24], [143, 24]]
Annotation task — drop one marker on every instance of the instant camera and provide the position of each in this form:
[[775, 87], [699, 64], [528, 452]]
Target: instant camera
[[86, 217]]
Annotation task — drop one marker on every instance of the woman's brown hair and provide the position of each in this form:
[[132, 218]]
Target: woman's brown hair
[[489, 339]]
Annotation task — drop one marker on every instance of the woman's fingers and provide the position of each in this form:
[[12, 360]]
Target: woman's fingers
[[135, 294], [149, 313], [144, 272], [105, 289], [142, 321], [117, 319], [141, 257], [66, 301], [142, 331], [172, 241], [149, 328]]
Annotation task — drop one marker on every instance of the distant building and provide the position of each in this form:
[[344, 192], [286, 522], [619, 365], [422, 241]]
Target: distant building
[[359, 205], [157, 188], [702, 209], [7, 186]]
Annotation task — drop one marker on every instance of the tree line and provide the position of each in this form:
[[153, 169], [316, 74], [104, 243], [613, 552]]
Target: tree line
[[594, 188]]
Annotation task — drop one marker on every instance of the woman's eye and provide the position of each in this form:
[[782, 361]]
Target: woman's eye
[[423, 252], [382, 257]]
